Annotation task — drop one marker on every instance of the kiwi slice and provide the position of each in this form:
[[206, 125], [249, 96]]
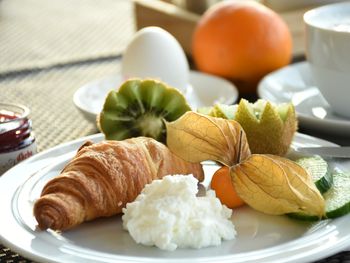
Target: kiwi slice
[[219, 110], [205, 110], [270, 128], [139, 108], [223, 111]]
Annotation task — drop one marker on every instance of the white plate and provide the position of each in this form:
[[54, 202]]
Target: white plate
[[261, 238], [294, 83], [205, 90]]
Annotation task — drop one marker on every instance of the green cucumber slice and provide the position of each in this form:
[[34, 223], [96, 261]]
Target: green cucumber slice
[[319, 170], [337, 199]]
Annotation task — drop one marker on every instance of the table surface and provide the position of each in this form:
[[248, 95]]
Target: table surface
[[45, 79]]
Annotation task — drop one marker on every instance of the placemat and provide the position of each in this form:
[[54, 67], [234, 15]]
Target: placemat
[[42, 33], [49, 95]]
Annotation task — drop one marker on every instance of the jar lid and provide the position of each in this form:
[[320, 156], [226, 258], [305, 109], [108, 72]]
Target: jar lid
[[11, 111], [15, 126]]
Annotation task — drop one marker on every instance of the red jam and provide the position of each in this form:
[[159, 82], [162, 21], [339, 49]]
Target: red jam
[[17, 141]]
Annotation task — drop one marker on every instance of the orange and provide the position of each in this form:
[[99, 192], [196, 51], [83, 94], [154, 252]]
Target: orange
[[241, 41], [222, 185]]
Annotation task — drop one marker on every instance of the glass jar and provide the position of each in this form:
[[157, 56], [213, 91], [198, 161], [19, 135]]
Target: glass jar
[[17, 141]]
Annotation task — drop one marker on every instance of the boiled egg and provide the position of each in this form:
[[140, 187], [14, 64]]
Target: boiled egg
[[155, 53]]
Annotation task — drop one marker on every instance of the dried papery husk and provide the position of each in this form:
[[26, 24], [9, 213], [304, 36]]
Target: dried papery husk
[[196, 137], [276, 186]]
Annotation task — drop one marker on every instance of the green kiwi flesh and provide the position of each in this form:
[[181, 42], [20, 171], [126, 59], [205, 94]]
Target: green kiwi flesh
[[139, 108]]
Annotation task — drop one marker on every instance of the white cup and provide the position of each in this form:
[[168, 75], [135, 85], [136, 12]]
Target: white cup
[[327, 35]]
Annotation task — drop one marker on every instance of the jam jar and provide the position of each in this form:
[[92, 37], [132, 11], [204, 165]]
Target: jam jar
[[17, 141]]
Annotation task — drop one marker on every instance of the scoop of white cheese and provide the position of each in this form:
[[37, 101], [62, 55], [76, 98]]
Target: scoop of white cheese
[[168, 214]]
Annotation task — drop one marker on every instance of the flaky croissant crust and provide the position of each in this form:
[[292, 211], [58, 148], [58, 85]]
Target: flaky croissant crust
[[103, 177]]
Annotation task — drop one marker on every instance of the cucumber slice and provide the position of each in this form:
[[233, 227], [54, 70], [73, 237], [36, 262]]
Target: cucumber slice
[[304, 217], [337, 199], [319, 170]]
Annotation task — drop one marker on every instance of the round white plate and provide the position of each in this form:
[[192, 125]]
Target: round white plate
[[294, 83], [260, 237], [205, 90]]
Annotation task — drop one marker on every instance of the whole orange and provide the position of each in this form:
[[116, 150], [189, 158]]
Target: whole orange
[[241, 41]]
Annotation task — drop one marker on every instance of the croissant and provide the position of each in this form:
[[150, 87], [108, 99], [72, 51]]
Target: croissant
[[102, 178]]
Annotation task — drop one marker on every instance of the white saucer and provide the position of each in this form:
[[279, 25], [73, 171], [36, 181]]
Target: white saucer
[[205, 91], [294, 83]]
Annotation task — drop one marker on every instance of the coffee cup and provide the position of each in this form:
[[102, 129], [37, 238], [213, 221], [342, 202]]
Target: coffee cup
[[327, 37]]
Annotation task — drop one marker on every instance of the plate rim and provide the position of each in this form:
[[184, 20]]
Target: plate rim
[[74, 145]]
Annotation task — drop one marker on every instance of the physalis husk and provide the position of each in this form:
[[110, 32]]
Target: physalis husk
[[268, 183], [276, 185], [196, 137]]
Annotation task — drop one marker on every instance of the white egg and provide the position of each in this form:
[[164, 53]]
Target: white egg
[[155, 53]]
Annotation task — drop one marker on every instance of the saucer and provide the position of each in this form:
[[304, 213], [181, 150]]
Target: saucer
[[205, 90], [294, 83]]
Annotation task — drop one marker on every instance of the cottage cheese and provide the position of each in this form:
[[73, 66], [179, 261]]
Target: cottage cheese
[[168, 214]]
